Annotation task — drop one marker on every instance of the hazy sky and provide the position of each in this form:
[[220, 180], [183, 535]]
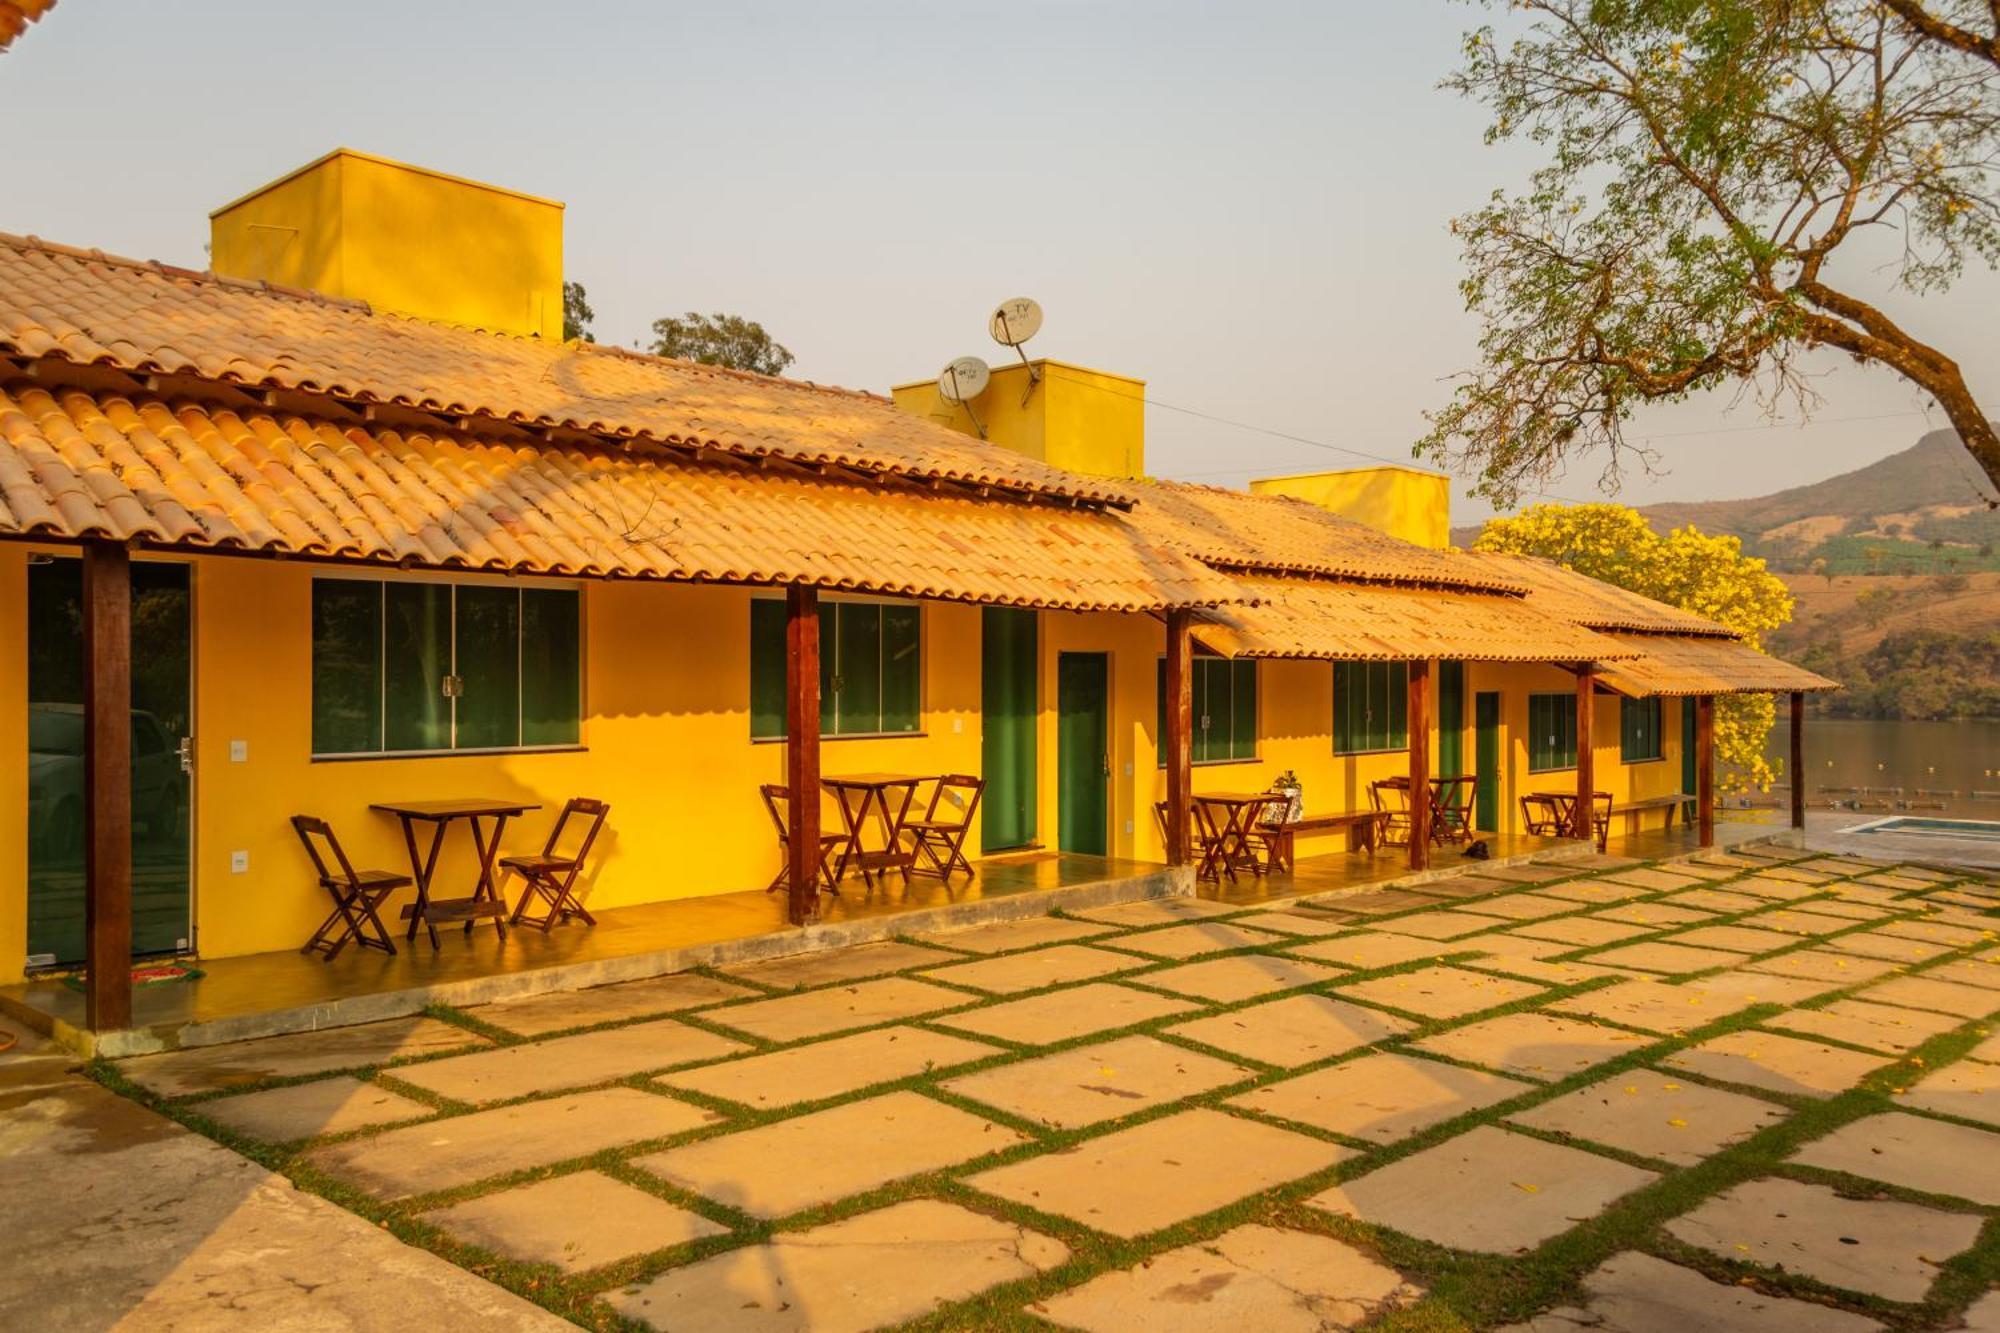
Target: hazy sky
[[1243, 203]]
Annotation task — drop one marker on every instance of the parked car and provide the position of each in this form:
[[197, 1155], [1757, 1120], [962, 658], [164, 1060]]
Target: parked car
[[55, 776]]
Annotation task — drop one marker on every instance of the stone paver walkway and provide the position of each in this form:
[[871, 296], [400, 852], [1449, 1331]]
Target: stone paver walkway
[[1746, 1092]]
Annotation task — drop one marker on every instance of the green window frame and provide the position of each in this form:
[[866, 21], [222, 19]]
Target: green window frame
[[1371, 707], [1551, 732], [870, 668], [1640, 730], [413, 667], [1223, 693]]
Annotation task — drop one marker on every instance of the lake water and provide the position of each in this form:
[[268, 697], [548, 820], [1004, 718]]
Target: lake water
[[1961, 758]]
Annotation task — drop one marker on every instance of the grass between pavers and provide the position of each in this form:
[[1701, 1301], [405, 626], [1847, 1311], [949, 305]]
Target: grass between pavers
[[1092, 1253]]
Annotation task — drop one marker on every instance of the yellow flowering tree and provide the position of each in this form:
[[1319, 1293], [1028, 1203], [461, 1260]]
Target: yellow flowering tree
[[1687, 568]]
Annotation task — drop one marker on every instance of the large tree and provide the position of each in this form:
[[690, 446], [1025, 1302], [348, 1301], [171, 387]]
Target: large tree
[[720, 340], [1708, 575], [1706, 163]]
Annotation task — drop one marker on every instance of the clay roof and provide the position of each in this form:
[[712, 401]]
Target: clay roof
[[16, 15], [1283, 535], [1319, 618], [1673, 665], [86, 307], [1562, 592], [189, 474]]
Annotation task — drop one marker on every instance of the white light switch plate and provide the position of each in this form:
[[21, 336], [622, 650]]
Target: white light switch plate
[[239, 863], [239, 752]]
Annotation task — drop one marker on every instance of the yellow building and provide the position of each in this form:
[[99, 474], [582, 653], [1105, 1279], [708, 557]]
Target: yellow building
[[376, 559]]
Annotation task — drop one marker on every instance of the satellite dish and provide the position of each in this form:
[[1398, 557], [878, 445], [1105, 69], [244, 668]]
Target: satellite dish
[[1015, 321], [963, 379]]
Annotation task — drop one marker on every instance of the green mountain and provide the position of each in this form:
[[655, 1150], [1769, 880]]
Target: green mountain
[[1925, 510]]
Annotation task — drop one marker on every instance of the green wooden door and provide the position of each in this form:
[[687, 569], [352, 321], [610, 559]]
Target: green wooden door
[[161, 712], [1688, 775], [1486, 761], [1083, 753], [1451, 719], [1008, 706]]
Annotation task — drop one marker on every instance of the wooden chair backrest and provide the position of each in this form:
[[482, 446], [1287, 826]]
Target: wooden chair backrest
[[954, 783], [312, 831], [778, 800], [580, 807], [1389, 795]]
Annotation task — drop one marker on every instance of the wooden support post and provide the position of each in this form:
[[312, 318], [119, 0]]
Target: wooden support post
[[107, 783], [1798, 759], [1420, 765], [802, 749], [1179, 739], [1586, 752], [1704, 767]]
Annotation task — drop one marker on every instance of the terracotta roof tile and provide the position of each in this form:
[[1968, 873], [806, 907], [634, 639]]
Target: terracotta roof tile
[[75, 463], [1282, 534], [1317, 618], [1582, 600], [16, 15], [91, 308], [1672, 664]]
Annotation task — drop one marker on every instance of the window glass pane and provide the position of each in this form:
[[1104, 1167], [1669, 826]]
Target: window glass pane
[[902, 668], [416, 654], [1551, 731], [1243, 694], [551, 666], [860, 668], [346, 666], [829, 659], [767, 667], [489, 667], [1211, 710], [1396, 677]]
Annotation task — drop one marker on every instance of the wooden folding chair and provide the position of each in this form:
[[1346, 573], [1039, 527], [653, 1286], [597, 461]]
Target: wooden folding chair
[[357, 894], [1208, 844], [1391, 800], [1451, 819], [942, 841], [833, 847], [551, 874]]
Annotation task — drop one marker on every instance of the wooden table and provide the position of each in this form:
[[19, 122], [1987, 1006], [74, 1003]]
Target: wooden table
[[875, 791], [1231, 847], [1562, 805], [485, 900], [1450, 818]]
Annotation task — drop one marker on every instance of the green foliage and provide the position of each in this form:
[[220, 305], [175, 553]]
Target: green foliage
[[1709, 576], [720, 340], [1703, 163], [577, 314], [1925, 675]]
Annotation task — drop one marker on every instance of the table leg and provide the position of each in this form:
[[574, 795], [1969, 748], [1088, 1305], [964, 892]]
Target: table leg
[[485, 889], [421, 869], [895, 829]]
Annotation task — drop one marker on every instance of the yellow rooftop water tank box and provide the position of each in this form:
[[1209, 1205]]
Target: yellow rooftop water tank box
[[1073, 417], [1404, 502], [402, 238]]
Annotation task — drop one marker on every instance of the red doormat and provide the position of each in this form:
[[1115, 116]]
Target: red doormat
[[148, 974]]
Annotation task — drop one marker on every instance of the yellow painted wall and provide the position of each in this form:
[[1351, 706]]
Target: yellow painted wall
[[1077, 418], [13, 761], [1400, 501], [404, 239]]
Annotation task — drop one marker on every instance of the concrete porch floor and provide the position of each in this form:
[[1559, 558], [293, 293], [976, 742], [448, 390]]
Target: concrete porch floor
[[265, 994]]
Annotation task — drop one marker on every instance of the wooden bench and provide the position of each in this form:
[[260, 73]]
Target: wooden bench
[[1363, 833], [1667, 803]]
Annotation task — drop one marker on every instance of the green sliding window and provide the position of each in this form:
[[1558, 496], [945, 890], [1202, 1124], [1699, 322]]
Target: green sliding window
[[870, 668], [1639, 730], [1551, 732], [413, 668], [1224, 698], [1371, 707]]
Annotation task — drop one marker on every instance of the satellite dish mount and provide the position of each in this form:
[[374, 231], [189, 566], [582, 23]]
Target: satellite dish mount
[[1014, 321]]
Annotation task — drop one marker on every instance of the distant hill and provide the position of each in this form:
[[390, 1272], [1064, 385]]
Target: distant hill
[[1924, 510]]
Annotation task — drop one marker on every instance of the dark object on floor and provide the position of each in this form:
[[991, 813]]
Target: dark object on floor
[[1477, 850]]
